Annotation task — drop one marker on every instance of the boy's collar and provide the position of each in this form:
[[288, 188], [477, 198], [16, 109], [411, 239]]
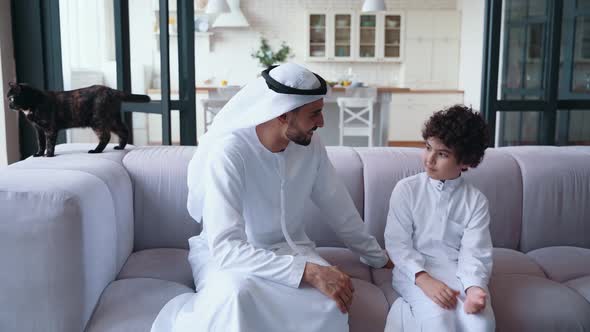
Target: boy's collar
[[441, 185]]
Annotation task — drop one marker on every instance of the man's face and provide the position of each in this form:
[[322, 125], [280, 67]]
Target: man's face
[[440, 161], [301, 124]]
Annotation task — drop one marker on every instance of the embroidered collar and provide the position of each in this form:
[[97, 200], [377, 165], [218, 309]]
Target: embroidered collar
[[441, 185]]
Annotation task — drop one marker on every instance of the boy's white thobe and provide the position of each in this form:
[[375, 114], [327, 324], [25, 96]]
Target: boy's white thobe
[[249, 260], [440, 227]]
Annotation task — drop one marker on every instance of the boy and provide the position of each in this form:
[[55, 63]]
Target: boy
[[437, 232]]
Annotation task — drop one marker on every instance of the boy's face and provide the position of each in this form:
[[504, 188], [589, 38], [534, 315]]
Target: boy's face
[[440, 162]]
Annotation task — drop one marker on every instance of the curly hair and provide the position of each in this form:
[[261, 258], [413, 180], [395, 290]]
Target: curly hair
[[460, 129]]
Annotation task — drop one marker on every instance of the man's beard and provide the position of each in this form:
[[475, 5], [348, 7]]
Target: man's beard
[[298, 136]]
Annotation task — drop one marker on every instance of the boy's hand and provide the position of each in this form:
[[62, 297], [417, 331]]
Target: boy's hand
[[437, 291], [475, 300]]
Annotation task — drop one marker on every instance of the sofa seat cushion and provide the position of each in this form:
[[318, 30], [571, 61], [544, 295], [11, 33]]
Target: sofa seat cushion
[[580, 285], [382, 279], [369, 308], [508, 261], [347, 261], [164, 263], [562, 264], [131, 305], [172, 264], [532, 303]]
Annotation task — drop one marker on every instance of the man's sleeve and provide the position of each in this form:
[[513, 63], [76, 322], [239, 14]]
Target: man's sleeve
[[399, 232], [224, 224], [331, 196], [475, 254]]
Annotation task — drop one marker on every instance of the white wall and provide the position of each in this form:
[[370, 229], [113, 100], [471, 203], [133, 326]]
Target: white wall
[[9, 140], [88, 42], [471, 59], [283, 20], [431, 61]]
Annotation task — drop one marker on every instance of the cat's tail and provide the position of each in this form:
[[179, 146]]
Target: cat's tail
[[136, 98]]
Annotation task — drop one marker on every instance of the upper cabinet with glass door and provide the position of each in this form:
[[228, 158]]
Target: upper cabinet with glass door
[[334, 36], [380, 37], [343, 32], [329, 36], [367, 46], [392, 37], [317, 36]]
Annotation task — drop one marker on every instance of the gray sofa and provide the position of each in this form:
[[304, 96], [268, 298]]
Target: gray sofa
[[98, 242]]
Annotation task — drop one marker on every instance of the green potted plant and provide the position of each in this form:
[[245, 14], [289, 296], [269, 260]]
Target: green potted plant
[[267, 57]]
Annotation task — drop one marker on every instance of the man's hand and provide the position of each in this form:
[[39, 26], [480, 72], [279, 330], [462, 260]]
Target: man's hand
[[475, 300], [436, 290], [332, 282]]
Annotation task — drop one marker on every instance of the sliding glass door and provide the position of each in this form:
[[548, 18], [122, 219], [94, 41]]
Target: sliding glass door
[[142, 53], [536, 89]]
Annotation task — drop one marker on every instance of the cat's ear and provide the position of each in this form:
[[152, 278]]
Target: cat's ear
[[15, 86]]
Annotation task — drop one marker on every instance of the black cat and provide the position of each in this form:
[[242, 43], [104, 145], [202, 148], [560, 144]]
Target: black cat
[[97, 107]]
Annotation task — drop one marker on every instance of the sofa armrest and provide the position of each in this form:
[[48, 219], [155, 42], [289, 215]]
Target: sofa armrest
[[59, 247]]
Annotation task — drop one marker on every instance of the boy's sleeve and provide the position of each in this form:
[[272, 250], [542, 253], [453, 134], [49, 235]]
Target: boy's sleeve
[[399, 232], [475, 254]]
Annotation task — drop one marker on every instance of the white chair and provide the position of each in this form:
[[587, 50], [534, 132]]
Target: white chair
[[210, 109], [356, 117]]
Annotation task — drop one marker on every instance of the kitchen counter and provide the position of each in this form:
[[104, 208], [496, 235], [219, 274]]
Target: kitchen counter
[[398, 112], [380, 89]]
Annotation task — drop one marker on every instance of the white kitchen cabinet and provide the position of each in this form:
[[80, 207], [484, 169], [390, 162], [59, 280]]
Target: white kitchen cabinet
[[432, 49], [446, 24], [419, 24], [418, 63], [445, 64], [409, 111], [352, 36]]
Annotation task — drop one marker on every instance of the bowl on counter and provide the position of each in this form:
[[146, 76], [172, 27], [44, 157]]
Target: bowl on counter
[[392, 24]]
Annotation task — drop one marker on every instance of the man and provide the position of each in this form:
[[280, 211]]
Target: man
[[254, 267]]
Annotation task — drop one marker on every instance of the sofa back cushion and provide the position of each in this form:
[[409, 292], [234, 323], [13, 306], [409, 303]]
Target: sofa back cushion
[[556, 196], [498, 177], [382, 169], [350, 170], [158, 175]]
